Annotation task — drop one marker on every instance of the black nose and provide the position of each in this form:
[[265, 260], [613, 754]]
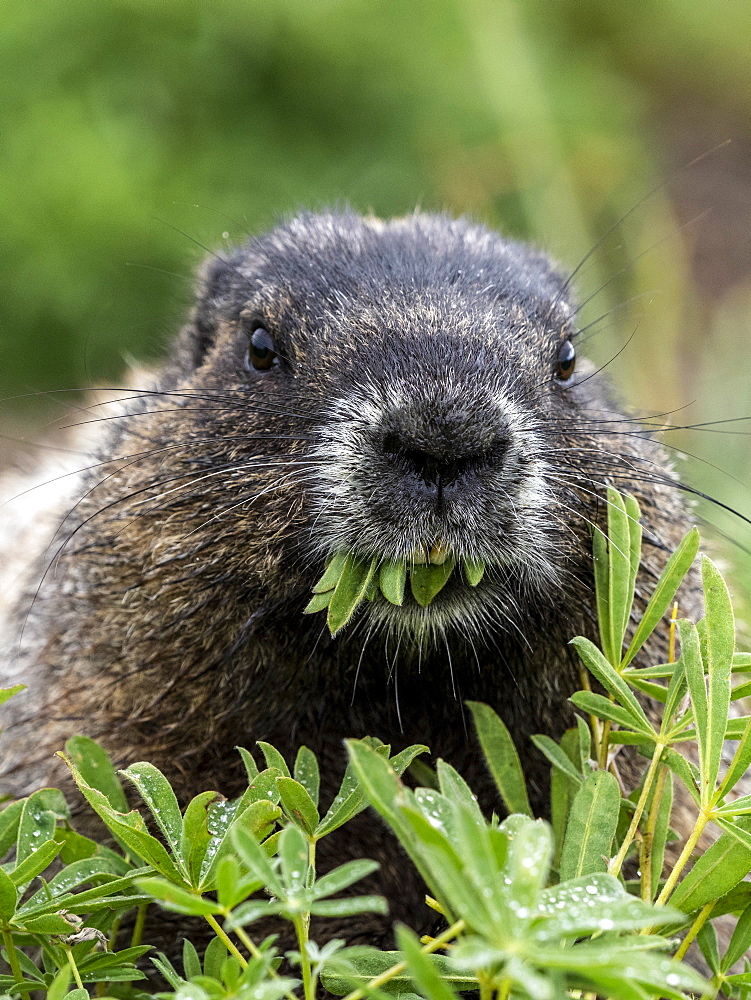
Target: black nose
[[437, 469]]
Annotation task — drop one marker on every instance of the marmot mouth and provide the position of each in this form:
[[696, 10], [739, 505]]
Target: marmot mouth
[[414, 582]]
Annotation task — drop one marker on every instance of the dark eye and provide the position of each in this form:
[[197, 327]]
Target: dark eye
[[261, 350], [566, 362]]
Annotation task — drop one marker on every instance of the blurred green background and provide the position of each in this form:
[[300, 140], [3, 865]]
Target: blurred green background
[[134, 131]]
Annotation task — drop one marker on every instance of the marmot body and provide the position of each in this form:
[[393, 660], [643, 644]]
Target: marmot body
[[342, 384]]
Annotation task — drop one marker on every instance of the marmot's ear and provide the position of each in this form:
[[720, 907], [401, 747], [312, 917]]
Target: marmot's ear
[[213, 295]]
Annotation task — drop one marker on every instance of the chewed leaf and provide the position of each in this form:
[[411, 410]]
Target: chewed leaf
[[331, 574], [350, 591], [392, 580], [318, 602], [474, 570], [428, 580]]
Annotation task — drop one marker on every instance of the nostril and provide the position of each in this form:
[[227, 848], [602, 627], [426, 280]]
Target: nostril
[[438, 469]]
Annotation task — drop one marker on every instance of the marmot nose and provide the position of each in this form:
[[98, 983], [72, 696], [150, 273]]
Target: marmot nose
[[440, 469]]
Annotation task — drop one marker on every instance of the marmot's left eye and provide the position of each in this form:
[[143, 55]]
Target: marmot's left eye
[[566, 362], [261, 349]]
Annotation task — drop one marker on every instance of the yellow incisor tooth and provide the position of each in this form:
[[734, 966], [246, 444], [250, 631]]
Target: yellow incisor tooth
[[438, 554]]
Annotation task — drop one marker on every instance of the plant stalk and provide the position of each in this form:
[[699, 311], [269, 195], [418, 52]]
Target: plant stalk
[[683, 860], [694, 929], [10, 951], [228, 942], [395, 970], [617, 863], [73, 966]]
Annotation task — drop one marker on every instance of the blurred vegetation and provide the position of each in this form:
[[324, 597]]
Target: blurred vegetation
[[135, 132]]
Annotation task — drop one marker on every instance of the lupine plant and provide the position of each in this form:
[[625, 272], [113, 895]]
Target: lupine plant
[[603, 900]]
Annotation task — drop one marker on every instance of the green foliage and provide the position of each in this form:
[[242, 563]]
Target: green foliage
[[533, 910], [348, 580]]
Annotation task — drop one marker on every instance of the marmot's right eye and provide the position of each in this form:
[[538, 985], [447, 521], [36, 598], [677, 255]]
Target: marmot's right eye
[[261, 350]]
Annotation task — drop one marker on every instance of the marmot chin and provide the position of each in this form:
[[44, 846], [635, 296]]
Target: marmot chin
[[342, 383]]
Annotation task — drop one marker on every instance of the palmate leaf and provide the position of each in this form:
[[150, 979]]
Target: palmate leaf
[[129, 828], [715, 872]]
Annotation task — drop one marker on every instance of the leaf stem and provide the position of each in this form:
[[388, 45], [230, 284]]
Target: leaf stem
[[616, 864], [301, 931], [694, 929], [228, 942], [395, 970], [701, 822], [649, 836], [10, 951], [73, 966], [139, 925]]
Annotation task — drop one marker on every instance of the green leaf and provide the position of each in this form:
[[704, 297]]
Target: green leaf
[[191, 961], [349, 906], [661, 832], [635, 538], [38, 820], [591, 826], [97, 770], [318, 602], [676, 568], [196, 836], [720, 644], [293, 854], [608, 676], [557, 757], [707, 941], [251, 768], [297, 804], [619, 572], [129, 828], [602, 590], [343, 876], [427, 580], [740, 942], [307, 773], [214, 957], [172, 897], [10, 817], [332, 573], [350, 590], [273, 758], [595, 704], [501, 758], [35, 863], [741, 760], [264, 786], [160, 800], [7, 896], [423, 971], [48, 923], [474, 570], [687, 772], [392, 579], [562, 791], [6, 693], [715, 872], [256, 861]]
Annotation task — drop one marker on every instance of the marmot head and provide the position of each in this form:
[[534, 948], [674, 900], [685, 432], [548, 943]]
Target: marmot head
[[401, 385]]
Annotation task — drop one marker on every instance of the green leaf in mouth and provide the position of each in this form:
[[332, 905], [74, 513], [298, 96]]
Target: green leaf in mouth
[[349, 579], [428, 580], [392, 580]]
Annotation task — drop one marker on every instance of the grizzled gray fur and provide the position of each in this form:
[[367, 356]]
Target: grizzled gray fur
[[414, 394]]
